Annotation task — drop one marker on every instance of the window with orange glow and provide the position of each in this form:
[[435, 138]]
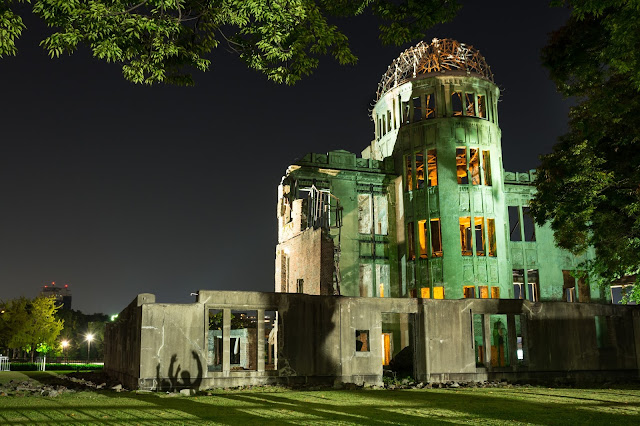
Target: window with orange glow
[[425, 293], [466, 236], [491, 236], [420, 177], [486, 167], [438, 292], [461, 165], [469, 292], [432, 167], [422, 238], [471, 104], [431, 106], [456, 104], [482, 109], [474, 166], [409, 173], [484, 291]]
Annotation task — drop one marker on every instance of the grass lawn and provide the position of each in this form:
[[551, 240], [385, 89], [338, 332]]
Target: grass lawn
[[533, 405]]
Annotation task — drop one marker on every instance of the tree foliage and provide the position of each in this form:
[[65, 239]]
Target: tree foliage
[[164, 40], [30, 325], [589, 186]]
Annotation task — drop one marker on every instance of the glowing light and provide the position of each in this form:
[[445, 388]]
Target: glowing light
[[89, 337], [114, 317], [64, 344]]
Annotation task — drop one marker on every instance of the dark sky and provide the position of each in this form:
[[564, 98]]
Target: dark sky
[[119, 189]]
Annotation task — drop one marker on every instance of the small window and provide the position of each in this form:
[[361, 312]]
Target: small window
[[474, 166], [395, 118], [436, 238], [425, 293], [406, 112], [438, 292], [484, 291], [422, 238], [420, 177], [465, 236], [456, 104], [518, 283], [491, 236], [214, 340], [409, 173], [514, 224], [413, 293], [533, 285], [362, 340], [417, 109], [568, 287], [300, 285], [469, 292], [270, 340], [410, 241], [431, 106], [380, 132], [365, 222], [479, 234], [482, 109], [461, 165], [389, 120], [529, 228], [486, 167], [471, 104], [495, 292], [432, 167], [618, 292], [384, 125]]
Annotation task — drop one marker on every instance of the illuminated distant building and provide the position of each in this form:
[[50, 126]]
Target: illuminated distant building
[[61, 293]]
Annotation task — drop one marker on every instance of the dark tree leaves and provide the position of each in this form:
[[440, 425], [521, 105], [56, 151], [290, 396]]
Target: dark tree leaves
[[589, 186], [165, 40]]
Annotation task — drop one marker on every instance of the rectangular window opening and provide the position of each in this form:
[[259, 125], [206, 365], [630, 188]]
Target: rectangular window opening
[[436, 238], [514, 224], [471, 104], [300, 285], [381, 220], [474, 166], [491, 236], [362, 341], [529, 226], [420, 177], [438, 292], [479, 235], [461, 165], [431, 106], [495, 292], [406, 112], [568, 287], [365, 222], [533, 285], [244, 340], [422, 238], [456, 104], [214, 340], [391, 126], [432, 167], [518, 284], [482, 109], [366, 279], [484, 291], [465, 236], [417, 109], [499, 341], [469, 292], [486, 167], [478, 339], [425, 293], [409, 173], [271, 340]]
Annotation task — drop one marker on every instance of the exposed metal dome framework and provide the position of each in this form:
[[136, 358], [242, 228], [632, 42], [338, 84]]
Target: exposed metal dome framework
[[439, 56]]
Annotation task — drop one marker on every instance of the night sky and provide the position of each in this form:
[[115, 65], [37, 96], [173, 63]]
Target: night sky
[[118, 189]]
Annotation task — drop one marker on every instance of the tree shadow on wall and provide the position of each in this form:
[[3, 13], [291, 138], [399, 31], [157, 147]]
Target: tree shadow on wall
[[177, 378]]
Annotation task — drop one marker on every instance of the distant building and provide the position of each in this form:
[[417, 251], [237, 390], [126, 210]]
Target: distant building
[[61, 293], [428, 210]]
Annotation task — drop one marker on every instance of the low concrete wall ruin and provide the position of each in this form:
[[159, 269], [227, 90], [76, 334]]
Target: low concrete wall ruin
[[328, 339]]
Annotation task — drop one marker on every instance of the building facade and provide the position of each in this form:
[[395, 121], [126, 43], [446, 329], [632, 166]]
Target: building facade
[[427, 210]]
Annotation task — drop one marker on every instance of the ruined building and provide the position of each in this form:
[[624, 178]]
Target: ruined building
[[428, 210], [417, 258]]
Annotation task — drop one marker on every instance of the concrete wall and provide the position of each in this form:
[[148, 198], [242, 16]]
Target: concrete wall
[[164, 346]]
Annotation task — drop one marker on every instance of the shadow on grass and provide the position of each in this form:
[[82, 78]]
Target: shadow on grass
[[373, 407]]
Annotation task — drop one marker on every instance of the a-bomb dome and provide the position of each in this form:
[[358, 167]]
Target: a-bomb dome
[[440, 56]]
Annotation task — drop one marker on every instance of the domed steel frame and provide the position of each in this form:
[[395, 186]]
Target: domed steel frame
[[441, 55]]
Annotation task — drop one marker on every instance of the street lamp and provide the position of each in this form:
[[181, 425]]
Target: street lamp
[[89, 339], [64, 344]]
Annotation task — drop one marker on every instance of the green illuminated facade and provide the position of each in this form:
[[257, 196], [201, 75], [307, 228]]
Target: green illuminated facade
[[428, 210]]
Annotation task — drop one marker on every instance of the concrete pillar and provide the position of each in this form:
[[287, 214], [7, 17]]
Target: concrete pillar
[[486, 334], [226, 343]]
